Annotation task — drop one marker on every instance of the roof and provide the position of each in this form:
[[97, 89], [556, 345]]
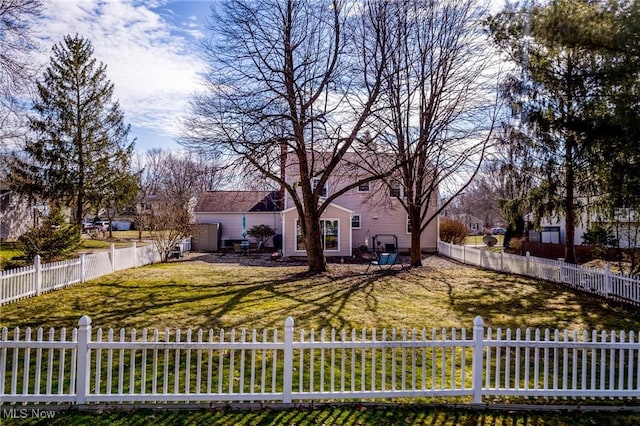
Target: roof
[[238, 201]]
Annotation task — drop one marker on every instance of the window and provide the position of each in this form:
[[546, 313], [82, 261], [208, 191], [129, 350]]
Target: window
[[395, 190], [355, 221], [408, 225], [316, 182], [330, 235], [363, 187]]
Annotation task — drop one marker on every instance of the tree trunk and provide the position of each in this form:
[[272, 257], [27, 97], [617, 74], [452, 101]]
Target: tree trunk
[[313, 245], [570, 223], [416, 249]]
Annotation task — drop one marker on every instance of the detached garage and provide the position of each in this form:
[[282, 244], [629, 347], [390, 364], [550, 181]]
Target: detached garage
[[234, 213]]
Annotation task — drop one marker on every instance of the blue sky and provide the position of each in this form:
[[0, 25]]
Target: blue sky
[[151, 52]]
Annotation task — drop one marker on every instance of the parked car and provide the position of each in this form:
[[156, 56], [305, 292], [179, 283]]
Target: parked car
[[101, 225], [88, 226], [498, 231]]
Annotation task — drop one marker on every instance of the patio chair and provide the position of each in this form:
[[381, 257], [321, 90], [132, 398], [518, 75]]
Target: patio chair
[[385, 261]]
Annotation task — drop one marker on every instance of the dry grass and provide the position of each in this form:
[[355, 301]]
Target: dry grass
[[201, 294]]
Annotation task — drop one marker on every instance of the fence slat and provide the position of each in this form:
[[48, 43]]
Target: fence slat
[[603, 282], [28, 281], [370, 365]]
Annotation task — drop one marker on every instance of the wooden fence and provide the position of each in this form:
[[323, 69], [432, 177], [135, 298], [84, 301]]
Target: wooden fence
[[33, 280], [604, 283], [174, 366]]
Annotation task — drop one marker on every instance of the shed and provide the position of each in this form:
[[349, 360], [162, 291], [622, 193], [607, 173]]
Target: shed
[[206, 237]]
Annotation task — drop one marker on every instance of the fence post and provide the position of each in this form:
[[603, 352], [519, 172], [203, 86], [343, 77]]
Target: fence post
[[134, 245], [83, 269], [478, 341], [113, 257], [464, 253], [528, 255], [501, 259], [37, 275], [83, 363], [287, 382], [607, 279]]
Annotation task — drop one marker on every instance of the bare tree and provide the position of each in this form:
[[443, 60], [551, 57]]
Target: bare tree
[[16, 65], [168, 184], [439, 113], [293, 84]]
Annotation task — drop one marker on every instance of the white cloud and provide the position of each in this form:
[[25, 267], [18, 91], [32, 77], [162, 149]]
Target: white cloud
[[152, 64]]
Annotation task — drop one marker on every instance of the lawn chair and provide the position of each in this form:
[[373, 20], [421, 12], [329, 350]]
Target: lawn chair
[[385, 261]]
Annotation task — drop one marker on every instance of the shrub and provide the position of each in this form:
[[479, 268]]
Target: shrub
[[54, 239], [599, 238], [452, 231], [262, 233]]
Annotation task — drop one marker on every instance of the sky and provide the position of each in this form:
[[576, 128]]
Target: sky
[[151, 49], [151, 52]]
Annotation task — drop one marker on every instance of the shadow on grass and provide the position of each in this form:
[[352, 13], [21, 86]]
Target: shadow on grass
[[197, 294], [346, 415]]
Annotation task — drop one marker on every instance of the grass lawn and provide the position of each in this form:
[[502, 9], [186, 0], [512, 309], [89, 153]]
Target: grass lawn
[[200, 294], [353, 415], [7, 252], [476, 240]]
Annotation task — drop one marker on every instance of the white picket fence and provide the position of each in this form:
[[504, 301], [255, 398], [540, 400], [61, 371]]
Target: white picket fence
[[620, 287], [206, 367], [33, 280]]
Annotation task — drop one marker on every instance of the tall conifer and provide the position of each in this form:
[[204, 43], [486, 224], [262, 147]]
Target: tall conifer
[[80, 141]]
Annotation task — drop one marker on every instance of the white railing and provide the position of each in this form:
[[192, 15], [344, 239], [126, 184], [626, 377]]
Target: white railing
[[602, 282], [16, 284], [206, 366]]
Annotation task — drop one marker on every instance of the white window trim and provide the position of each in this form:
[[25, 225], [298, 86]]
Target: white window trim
[[295, 242], [393, 188], [315, 183], [359, 221], [364, 192]]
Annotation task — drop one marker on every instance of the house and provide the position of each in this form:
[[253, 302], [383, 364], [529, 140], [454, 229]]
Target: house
[[474, 225], [625, 226], [16, 215], [236, 212], [354, 218], [348, 225]]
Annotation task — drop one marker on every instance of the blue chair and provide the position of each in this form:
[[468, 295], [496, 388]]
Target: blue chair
[[385, 261]]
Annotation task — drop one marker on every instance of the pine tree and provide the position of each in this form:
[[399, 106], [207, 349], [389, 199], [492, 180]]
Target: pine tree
[[80, 139], [563, 52], [54, 239]]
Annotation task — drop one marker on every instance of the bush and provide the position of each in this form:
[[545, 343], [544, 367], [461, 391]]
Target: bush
[[54, 239], [452, 231], [599, 238], [262, 233]]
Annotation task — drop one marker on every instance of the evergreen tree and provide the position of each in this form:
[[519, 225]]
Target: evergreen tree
[[564, 51], [54, 239], [80, 141]]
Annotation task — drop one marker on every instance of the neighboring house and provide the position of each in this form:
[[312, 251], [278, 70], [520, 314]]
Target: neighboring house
[[625, 227], [473, 224], [16, 215], [152, 205], [348, 224]]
